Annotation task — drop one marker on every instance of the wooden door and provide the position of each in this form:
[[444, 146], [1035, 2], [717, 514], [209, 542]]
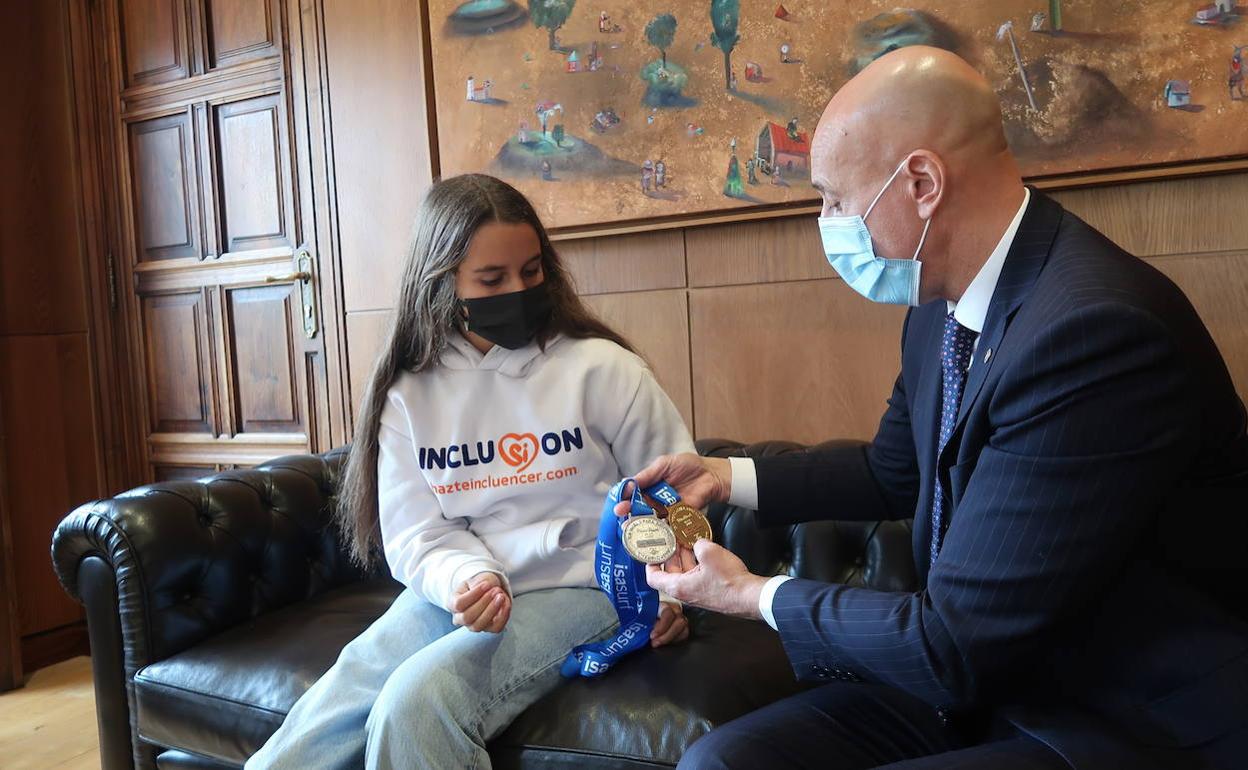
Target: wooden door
[[222, 273]]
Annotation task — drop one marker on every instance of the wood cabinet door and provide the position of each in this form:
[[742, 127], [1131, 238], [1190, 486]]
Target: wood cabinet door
[[222, 271]]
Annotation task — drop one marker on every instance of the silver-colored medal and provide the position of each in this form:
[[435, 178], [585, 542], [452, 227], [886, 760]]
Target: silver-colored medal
[[648, 539]]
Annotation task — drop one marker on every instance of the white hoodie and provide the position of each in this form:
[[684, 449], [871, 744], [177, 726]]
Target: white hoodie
[[500, 462]]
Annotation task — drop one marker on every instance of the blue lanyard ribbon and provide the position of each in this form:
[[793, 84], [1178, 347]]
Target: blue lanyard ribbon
[[622, 578]]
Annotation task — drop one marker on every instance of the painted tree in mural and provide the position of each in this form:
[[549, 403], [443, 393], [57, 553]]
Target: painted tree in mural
[[724, 17], [551, 14], [660, 33]]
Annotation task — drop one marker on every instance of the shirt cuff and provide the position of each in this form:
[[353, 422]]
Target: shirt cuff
[[744, 490], [768, 595]]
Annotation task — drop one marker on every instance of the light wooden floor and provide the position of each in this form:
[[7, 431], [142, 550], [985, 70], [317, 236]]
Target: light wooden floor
[[50, 723]]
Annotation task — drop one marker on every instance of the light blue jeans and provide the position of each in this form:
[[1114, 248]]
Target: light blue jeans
[[415, 691]]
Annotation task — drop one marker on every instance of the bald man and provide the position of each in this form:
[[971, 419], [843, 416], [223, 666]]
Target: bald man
[[1068, 442]]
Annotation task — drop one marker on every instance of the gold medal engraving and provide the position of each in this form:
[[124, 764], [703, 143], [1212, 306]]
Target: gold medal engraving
[[688, 524], [649, 540]]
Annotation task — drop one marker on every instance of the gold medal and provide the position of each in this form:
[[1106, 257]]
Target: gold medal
[[688, 524], [648, 539]]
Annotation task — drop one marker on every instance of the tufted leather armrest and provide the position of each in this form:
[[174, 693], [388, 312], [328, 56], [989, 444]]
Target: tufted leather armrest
[[875, 554], [165, 566]]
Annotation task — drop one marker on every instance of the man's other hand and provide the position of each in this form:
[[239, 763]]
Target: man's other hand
[[717, 580]]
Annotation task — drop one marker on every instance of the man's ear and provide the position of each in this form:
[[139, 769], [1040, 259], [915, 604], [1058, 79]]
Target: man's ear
[[925, 175]]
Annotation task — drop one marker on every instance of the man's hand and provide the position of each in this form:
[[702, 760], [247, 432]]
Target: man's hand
[[481, 604], [700, 481], [717, 580], [671, 627]]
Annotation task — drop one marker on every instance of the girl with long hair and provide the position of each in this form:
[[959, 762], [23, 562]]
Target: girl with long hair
[[499, 413]]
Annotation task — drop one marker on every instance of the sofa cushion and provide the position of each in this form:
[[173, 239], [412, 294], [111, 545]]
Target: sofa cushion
[[223, 698], [655, 703]]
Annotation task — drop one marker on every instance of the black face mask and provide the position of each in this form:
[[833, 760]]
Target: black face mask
[[511, 320]]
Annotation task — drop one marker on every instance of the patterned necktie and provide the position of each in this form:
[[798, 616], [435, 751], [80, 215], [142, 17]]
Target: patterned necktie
[[955, 357]]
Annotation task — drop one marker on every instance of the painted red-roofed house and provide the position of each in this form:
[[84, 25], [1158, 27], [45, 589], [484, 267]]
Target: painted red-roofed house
[[776, 147]]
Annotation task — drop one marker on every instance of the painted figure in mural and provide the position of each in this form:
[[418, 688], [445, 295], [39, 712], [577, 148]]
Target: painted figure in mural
[[732, 184], [660, 174], [546, 171], [1236, 80], [751, 167], [776, 177], [792, 130], [647, 176], [605, 24]]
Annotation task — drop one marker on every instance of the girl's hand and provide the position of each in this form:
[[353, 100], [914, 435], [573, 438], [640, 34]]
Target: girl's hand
[[671, 627], [481, 604]]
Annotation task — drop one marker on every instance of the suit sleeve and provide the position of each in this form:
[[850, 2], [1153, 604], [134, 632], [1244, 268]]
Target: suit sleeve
[[851, 482], [1091, 426]]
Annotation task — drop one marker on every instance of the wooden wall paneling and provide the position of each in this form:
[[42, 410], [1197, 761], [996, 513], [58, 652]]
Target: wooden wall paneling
[[165, 472], [317, 214], [1217, 285], [253, 174], [241, 451], [638, 262], [178, 333], [166, 199], [38, 215], [765, 251], [366, 333], [54, 645], [10, 639], [154, 41], [380, 142], [117, 407], [1178, 216], [237, 31], [50, 451], [265, 358], [207, 155], [804, 361], [657, 323]]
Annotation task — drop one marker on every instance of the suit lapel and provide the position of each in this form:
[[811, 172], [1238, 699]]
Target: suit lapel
[[1022, 265]]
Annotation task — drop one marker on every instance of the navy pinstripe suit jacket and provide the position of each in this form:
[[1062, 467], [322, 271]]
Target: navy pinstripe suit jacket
[[1095, 569]]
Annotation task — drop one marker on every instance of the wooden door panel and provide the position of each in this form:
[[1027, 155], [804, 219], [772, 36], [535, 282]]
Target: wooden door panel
[[265, 372], [154, 41], [179, 375], [253, 175], [165, 202], [239, 31]]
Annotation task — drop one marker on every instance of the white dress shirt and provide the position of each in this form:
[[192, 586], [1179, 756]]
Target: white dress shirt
[[971, 311]]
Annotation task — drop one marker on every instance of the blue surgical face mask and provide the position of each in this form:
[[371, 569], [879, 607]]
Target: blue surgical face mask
[[847, 245]]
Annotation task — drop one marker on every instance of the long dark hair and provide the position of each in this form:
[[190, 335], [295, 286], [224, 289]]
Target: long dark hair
[[427, 314]]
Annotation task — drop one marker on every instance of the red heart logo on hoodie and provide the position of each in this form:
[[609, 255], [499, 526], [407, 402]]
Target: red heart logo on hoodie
[[518, 450]]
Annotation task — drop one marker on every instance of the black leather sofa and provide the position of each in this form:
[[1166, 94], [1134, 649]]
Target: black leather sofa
[[213, 604]]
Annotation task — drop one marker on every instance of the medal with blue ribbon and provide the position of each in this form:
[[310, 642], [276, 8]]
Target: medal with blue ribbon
[[623, 579]]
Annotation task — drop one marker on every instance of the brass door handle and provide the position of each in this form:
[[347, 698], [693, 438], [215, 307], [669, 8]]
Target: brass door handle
[[302, 275], [307, 291]]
